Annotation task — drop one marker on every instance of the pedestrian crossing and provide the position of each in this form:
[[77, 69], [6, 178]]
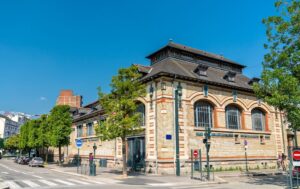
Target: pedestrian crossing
[[50, 183]]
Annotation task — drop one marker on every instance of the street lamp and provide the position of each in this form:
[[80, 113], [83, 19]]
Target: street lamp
[[246, 157], [206, 141], [178, 94]]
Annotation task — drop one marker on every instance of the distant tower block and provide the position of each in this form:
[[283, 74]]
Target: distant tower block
[[67, 97]]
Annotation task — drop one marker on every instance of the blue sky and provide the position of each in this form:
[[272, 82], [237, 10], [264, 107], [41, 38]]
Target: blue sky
[[46, 46]]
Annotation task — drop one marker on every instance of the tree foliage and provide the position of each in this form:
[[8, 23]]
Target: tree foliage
[[280, 84], [12, 143], [120, 108], [60, 121], [1, 143]]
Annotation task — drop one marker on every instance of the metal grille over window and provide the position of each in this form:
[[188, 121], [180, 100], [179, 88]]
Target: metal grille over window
[[203, 114], [90, 129], [141, 111], [258, 120], [233, 117]]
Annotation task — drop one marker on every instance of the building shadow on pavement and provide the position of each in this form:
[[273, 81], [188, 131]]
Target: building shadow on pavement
[[277, 180]]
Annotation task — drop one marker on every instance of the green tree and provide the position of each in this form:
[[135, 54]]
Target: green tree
[[33, 135], [120, 107], [12, 143], [23, 138], [60, 121], [1, 143], [44, 134], [280, 84]]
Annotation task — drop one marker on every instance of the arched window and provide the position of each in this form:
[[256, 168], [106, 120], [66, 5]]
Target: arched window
[[258, 120], [203, 114], [141, 110], [233, 117]]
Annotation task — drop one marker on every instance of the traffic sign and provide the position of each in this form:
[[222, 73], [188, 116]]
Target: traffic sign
[[79, 143], [296, 155], [195, 153]]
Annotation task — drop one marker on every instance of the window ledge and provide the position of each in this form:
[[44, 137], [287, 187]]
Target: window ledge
[[234, 131]]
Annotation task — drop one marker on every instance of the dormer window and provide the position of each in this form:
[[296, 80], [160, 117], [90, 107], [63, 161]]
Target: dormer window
[[253, 80], [201, 70], [230, 76]]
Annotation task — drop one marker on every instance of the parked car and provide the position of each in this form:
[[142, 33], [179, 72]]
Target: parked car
[[37, 161], [20, 159], [25, 160]]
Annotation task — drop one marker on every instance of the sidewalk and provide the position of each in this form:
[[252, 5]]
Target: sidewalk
[[115, 176]]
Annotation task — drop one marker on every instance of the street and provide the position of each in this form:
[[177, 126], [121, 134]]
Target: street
[[22, 176]]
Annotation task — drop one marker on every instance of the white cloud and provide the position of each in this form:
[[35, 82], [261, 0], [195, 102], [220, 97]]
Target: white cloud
[[42, 98]]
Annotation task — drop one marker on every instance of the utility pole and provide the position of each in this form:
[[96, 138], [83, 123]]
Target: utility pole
[[178, 94]]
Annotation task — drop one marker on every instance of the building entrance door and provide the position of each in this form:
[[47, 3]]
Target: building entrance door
[[136, 153]]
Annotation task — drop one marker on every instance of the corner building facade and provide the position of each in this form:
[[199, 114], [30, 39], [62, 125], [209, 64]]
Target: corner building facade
[[215, 94]]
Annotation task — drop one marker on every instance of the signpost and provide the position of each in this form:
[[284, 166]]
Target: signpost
[[195, 153], [79, 144], [296, 157]]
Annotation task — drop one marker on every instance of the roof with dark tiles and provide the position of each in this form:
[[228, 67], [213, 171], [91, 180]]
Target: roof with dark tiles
[[184, 69]]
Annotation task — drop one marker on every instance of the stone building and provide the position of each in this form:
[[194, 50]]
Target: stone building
[[215, 94]]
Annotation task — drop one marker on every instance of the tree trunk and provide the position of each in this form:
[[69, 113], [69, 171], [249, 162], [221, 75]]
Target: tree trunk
[[29, 150], [295, 136], [59, 155], [124, 153], [37, 152], [46, 156]]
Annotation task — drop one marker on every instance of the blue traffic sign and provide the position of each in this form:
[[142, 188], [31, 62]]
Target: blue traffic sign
[[79, 143]]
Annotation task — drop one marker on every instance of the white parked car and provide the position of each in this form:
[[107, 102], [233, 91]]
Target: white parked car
[[37, 161]]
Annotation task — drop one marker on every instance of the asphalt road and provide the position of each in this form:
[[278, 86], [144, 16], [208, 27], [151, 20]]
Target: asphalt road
[[22, 176]]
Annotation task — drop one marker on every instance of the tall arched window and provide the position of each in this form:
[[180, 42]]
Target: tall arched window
[[203, 114], [233, 117], [141, 110], [258, 120]]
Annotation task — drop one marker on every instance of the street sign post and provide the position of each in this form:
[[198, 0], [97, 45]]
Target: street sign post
[[79, 144], [195, 153]]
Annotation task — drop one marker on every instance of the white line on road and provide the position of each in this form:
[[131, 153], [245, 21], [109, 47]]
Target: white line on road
[[63, 182], [5, 173], [31, 184], [78, 181], [12, 184], [48, 182], [160, 184], [37, 176], [97, 182]]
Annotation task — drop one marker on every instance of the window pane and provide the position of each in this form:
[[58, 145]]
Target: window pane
[[258, 120], [232, 117], [141, 110], [203, 114]]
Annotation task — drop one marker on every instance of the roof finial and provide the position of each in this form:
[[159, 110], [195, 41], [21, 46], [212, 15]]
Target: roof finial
[[170, 40]]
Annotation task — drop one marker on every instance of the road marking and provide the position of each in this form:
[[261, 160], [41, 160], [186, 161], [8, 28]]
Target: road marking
[[160, 184], [37, 176], [12, 184], [78, 181], [63, 182], [48, 182], [31, 184], [97, 182], [5, 173]]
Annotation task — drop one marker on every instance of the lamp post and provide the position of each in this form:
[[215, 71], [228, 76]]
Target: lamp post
[[206, 141], [178, 94], [246, 157], [93, 164]]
